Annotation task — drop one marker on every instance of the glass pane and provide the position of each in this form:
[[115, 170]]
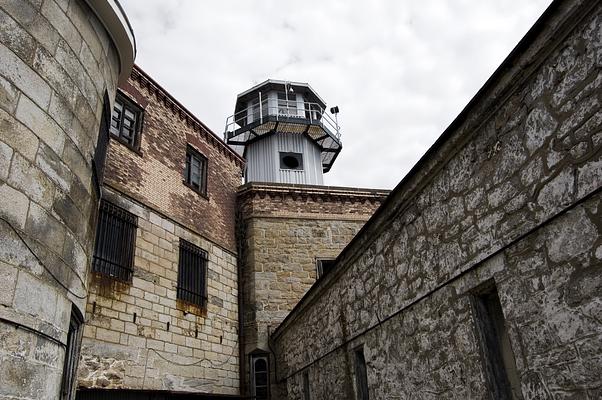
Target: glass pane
[[261, 379], [261, 365]]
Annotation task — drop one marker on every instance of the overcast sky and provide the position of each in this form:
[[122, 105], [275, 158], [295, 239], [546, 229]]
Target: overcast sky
[[399, 70]]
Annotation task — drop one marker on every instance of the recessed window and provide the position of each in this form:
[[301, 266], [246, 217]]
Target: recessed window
[[195, 173], [126, 121], [306, 393], [192, 274], [115, 242], [361, 375], [74, 336], [323, 267], [100, 153], [496, 351], [261, 377], [291, 161]]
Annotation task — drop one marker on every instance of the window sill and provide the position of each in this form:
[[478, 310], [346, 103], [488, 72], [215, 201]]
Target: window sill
[[189, 186]]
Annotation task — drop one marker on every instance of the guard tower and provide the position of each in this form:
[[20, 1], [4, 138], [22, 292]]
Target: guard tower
[[286, 134]]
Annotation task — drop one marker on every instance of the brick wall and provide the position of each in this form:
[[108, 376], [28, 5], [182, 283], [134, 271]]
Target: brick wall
[[154, 175], [197, 352], [510, 194]]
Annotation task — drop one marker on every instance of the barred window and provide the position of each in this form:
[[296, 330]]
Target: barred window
[[126, 121], [115, 242], [192, 274], [195, 174]]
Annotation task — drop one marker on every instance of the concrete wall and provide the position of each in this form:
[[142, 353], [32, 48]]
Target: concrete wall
[[510, 193], [197, 352], [284, 228], [57, 62]]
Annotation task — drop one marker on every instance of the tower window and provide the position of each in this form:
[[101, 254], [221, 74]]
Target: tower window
[[261, 377], [126, 121], [496, 351], [192, 274], [115, 241], [291, 161], [195, 173]]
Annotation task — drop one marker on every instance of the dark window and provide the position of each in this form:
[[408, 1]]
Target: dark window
[[361, 375], [496, 351], [261, 378], [115, 241], [192, 274], [287, 108], [195, 173], [71, 354], [291, 161], [306, 394], [126, 121], [100, 153], [323, 267]]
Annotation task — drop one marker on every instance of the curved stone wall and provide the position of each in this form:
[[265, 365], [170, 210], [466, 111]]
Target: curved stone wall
[[57, 61]]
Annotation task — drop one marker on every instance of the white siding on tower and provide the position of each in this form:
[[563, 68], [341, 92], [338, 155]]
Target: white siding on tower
[[263, 160]]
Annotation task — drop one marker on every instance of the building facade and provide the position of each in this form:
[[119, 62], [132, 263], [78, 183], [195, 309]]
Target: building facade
[[480, 276], [60, 64], [134, 264], [165, 318]]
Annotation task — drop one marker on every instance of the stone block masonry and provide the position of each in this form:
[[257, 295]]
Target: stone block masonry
[[284, 230], [57, 62], [509, 197], [139, 336]]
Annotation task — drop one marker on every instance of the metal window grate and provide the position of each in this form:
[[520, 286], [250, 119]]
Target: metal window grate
[[115, 242], [192, 274]]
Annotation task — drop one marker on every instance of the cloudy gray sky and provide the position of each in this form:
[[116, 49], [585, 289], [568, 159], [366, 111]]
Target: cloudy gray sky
[[399, 70]]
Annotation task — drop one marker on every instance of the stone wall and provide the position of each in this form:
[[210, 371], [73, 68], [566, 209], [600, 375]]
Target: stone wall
[[56, 64], [154, 174], [138, 336], [284, 229], [509, 194]]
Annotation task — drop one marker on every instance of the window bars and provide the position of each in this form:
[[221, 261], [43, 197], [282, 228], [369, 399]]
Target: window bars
[[192, 274], [115, 242]]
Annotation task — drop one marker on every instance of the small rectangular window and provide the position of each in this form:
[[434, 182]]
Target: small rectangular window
[[496, 350], [71, 354], [323, 267], [306, 394], [195, 172], [115, 242], [192, 274], [260, 376], [361, 375], [126, 121], [291, 161]]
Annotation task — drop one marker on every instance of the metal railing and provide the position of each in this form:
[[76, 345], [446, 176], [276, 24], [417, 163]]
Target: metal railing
[[264, 109]]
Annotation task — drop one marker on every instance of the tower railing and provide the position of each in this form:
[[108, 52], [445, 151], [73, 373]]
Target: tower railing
[[285, 110]]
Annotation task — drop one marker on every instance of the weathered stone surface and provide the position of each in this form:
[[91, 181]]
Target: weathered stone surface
[[38, 173], [525, 215]]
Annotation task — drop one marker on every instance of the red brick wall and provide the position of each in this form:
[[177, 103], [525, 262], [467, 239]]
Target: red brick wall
[[153, 175]]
